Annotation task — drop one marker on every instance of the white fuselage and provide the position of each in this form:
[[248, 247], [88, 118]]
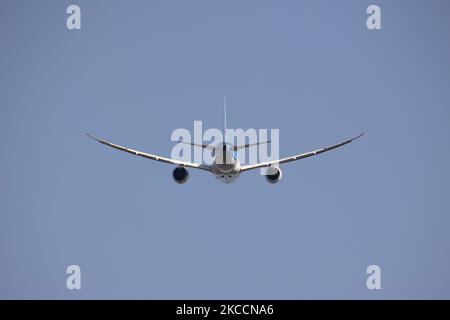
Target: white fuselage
[[226, 166]]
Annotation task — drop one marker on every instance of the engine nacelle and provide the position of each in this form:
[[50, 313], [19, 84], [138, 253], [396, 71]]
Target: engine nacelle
[[180, 175], [274, 174]]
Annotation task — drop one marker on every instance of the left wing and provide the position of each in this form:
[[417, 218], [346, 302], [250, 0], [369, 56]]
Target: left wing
[[153, 157], [299, 156]]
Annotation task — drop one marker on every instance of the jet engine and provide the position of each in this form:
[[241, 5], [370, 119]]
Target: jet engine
[[274, 174], [180, 175]]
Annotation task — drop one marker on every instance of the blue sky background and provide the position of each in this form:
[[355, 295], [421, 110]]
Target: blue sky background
[[139, 69]]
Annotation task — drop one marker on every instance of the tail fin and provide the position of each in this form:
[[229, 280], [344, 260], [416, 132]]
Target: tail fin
[[224, 116]]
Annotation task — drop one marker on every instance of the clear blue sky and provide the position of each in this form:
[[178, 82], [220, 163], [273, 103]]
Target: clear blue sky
[[139, 69]]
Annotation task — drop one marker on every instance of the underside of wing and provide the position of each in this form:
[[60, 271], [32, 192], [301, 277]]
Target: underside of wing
[[153, 157], [299, 156]]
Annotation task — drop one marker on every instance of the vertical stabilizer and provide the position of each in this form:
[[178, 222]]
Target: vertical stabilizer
[[224, 116]]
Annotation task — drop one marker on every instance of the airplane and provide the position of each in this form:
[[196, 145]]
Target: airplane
[[226, 166]]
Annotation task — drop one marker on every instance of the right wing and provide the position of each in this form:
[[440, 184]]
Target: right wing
[[153, 157], [299, 156]]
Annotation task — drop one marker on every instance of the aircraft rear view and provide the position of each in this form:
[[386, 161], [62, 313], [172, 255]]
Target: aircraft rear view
[[226, 165]]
